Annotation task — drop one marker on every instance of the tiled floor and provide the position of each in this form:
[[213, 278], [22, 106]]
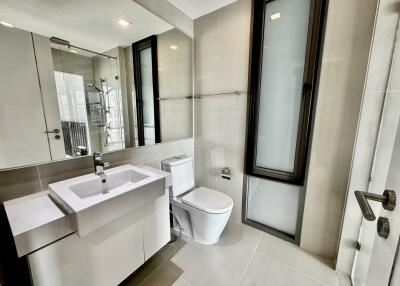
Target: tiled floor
[[243, 256]]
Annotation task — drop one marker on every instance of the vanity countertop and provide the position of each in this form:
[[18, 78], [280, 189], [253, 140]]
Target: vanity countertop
[[35, 221]]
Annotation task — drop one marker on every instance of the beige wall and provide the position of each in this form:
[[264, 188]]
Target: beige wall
[[343, 68], [28, 180], [175, 83], [221, 65], [221, 48]]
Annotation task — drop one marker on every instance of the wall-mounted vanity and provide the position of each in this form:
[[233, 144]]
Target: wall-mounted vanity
[[92, 230], [77, 80]]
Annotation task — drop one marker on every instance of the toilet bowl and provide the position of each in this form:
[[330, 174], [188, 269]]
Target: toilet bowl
[[202, 212]]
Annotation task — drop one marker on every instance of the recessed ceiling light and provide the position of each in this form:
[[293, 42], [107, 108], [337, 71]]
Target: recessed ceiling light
[[72, 51], [173, 47], [7, 24], [124, 23], [275, 16]]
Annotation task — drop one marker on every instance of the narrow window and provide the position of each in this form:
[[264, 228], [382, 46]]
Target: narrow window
[[283, 64]]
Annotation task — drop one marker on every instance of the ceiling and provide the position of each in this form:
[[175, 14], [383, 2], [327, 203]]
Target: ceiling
[[196, 8], [91, 24]]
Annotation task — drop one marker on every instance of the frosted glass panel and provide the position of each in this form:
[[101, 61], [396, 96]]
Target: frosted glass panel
[[147, 95], [273, 204], [285, 40]]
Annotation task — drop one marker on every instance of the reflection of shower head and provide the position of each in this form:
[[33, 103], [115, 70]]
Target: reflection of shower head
[[95, 87]]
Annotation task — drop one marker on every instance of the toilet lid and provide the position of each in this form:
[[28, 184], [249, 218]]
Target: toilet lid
[[208, 200]]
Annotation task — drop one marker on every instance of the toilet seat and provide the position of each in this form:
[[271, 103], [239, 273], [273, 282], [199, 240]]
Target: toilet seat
[[208, 200]]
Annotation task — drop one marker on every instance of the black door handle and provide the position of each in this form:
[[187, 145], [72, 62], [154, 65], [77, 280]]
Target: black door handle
[[56, 131], [388, 200]]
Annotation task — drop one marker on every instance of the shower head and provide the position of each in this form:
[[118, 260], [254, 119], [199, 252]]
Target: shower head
[[59, 41]]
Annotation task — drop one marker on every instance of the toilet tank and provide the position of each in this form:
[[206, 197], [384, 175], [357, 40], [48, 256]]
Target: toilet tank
[[181, 169]]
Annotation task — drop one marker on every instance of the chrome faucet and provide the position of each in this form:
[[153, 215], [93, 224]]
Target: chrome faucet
[[100, 165]]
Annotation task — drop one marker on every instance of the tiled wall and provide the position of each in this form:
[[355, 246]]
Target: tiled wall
[[221, 65], [345, 56], [24, 181], [175, 82]]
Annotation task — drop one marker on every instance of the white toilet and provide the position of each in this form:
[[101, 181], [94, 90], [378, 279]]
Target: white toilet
[[202, 212]]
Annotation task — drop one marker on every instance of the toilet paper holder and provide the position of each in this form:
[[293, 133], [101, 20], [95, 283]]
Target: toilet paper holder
[[226, 173]]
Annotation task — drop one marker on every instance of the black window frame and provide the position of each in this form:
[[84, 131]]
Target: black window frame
[[150, 42], [308, 93]]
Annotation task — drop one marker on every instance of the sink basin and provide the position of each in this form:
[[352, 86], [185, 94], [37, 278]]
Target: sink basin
[[92, 202]]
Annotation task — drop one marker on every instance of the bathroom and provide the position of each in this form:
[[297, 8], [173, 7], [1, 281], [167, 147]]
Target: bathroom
[[170, 142]]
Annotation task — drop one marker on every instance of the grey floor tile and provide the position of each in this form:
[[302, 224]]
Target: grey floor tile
[[230, 263], [144, 271], [281, 275], [165, 275], [248, 236], [293, 256], [257, 271], [221, 264]]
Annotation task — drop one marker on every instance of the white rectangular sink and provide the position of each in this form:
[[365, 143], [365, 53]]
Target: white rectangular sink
[[92, 203]]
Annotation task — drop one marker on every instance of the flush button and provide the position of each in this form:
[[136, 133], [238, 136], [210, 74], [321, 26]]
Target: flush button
[[383, 227]]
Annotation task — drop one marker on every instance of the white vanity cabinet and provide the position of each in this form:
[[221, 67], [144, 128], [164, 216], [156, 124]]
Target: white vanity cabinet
[[106, 256], [121, 228]]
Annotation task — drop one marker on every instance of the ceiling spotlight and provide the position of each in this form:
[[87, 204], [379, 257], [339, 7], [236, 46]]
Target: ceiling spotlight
[[173, 47], [124, 23], [72, 51], [275, 16], [6, 24]]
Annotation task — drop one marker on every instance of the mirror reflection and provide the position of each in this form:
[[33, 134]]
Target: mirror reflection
[[74, 85]]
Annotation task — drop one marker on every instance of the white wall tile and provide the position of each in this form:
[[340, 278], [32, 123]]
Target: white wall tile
[[221, 65]]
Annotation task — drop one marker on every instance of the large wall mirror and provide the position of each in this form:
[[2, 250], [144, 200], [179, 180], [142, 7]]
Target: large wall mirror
[[89, 77]]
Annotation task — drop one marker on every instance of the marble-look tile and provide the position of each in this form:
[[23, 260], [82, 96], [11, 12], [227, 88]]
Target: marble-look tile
[[206, 32], [227, 263], [165, 275], [180, 282], [281, 275], [144, 271], [223, 263], [234, 22], [19, 182], [293, 256], [258, 270], [243, 234], [66, 169]]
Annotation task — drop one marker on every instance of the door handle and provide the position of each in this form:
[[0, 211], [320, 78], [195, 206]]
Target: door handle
[[388, 200], [56, 131]]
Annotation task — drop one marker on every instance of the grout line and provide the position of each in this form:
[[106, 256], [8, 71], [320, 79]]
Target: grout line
[[179, 275], [164, 262], [294, 268], [259, 241], [39, 177], [246, 268], [186, 248]]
